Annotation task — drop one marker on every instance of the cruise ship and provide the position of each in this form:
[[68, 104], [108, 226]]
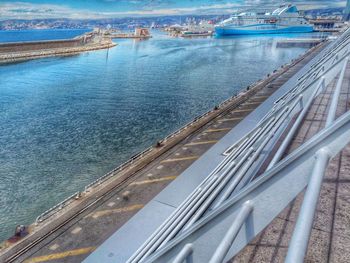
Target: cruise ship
[[285, 19]]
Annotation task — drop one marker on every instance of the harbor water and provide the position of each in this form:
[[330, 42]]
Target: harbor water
[[36, 35], [66, 121]]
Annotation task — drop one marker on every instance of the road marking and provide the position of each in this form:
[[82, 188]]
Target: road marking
[[54, 246], [200, 143], [110, 204], [252, 103], [260, 96], [98, 214], [180, 159], [166, 178], [76, 230], [69, 253], [231, 119], [218, 130], [150, 176], [243, 110]]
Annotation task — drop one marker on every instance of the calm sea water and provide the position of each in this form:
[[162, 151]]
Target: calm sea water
[[35, 35], [66, 121]]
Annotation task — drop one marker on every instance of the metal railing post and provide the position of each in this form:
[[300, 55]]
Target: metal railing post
[[281, 150], [185, 254], [335, 98], [301, 235], [232, 232]]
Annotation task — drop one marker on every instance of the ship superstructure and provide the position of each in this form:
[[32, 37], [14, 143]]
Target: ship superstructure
[[284, 19]]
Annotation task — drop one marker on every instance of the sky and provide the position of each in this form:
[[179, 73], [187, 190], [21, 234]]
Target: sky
[[91, 9]]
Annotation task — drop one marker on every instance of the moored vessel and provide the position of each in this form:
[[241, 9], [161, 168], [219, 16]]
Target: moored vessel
[[285, 19]]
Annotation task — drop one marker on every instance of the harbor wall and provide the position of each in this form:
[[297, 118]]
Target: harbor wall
[[40, 45]]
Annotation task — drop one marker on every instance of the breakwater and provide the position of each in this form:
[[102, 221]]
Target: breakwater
[[15, 52]]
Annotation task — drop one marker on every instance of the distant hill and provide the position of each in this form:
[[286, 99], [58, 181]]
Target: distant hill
[[130, 22], [120, 23], [325, 12]]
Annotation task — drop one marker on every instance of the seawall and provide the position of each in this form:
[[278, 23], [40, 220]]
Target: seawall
[[16, 52]]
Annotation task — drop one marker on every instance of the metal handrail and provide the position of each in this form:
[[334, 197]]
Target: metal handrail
[[185, 254], [50, 212], [164, 234], [232, 232], [205, 193], [261, 191], [301, 235], [283, 147]]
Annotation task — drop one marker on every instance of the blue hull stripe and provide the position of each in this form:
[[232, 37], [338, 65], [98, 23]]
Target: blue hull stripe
[[222, 31]]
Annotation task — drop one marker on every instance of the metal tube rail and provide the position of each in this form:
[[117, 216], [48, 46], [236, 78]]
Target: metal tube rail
[[334, 138], [301, 235], [238, 177], [310, 80], [303, 227], [174, 219], [193, 208], [226, 177], [183, 211], [198, 193], [250, 140], [334, 103], [246, 167], [50, 212], [328, 55], [232, 232], [185, 254], [295, 127], [138, 255], [219, 184], [176, 213]]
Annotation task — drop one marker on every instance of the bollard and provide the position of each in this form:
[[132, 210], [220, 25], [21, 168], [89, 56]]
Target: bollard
[[126, 195], [78, 195]]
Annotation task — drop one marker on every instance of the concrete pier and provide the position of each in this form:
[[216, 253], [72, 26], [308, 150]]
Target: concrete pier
[[75, 230], [22, 51], [299, 42]]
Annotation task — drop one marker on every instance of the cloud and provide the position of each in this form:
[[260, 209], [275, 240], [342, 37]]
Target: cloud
[[22, 10]]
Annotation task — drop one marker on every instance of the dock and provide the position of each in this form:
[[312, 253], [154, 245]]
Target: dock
[[139, 33], [205, 34], [72, 230], [298, 42]]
